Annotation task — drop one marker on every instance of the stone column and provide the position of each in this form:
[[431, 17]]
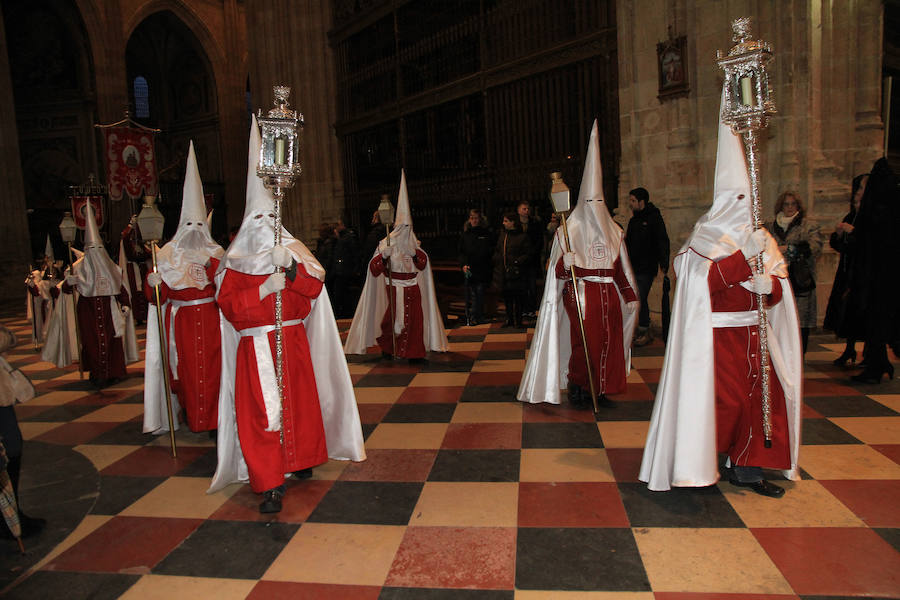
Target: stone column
[[233, 120], [16, 247], [288, 45]]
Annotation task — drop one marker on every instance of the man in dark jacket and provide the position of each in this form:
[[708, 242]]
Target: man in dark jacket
[[534, 231], [648, 249], [476, 250], [345, 263]]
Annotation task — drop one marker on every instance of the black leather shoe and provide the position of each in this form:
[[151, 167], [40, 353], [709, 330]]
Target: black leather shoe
[[271, 501], [303, 473], [761, 487]]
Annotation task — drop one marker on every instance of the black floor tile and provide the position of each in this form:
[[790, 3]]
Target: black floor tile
[[637, 410], [489, 393], [136, 398], [63, 413], [419, 413], [579, 559], [817, 432], [53, 584], [128, 433], [890, 535], [443, 594], [228, 549], [437, 363], [849, 406], [368, 503], [476, 465], [117, 492], [467, 338], [679, 507], [367, 429], [385, 380], [204, 466], [561, 435], [83, 385], [501, 354]]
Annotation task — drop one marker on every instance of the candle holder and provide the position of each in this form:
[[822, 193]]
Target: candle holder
[[746, 108], [279, 165]]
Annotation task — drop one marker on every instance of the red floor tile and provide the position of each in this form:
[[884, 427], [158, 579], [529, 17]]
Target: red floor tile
[[491, 378], [810, 413], [467, 436], [399, 365], [634, 391], [892, 451], [73, 434], [286, 590], [555, 413], [27, 411], [625, 462], [834, 561], [876, 502], [451, 557], [155, 461], [391, 465], [430, 395], [125, 545], [373, 413], [719, 596], [355, 377], [298, 503], [571, 505]]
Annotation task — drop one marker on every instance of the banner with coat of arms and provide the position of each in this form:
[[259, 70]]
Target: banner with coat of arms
[[79, 209], [130, 163]]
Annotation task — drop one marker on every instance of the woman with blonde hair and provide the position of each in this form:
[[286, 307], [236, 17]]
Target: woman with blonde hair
[[800, 241]]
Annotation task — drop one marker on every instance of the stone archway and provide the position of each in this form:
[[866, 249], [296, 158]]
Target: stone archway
[[182, 101]]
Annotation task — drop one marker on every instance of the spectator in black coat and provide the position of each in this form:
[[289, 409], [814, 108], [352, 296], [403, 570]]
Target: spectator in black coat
[[476, 248], [531, 270], [512, 254], [648, 248], [345, 267]]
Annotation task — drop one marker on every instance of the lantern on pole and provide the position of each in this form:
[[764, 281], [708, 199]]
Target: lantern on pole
[[279, 165], [560, 197], [151, 223], [386, 216], [747, 106]]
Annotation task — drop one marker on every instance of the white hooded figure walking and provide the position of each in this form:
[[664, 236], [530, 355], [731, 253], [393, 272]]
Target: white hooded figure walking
[[398, 284], [608, 299], [262, 437], [102, 309], [186, 268], [709, 397]]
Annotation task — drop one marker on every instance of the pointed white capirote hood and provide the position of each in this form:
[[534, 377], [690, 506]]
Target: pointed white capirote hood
[[250, 251], [95, 272], [728, 223], [402, 235], [48, 250], [593, 234], [181, 261]]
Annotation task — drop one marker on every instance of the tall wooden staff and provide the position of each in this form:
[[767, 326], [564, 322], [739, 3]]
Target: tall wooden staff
[[151, 223], [279, 166], [747, 106], [386, 216], [559, 196]]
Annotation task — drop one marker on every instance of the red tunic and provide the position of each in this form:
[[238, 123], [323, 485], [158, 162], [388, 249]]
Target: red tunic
[[411, 339], [102, 353], [304, 435], [739, 428], [602, 326], [198, 343]]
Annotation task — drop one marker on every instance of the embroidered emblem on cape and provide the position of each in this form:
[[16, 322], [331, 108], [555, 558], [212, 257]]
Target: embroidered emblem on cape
[[103, 287], [197, 273], [598, 251]]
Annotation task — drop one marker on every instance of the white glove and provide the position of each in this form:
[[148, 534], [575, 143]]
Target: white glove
[[569, 259], [126, 310], [274, 283], [281, 257], [762, 284], [756, 243], [386, 252], [154, 279], [632, 307]]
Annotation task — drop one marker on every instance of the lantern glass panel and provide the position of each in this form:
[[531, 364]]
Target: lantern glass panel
[[150, 222], [67, 228]]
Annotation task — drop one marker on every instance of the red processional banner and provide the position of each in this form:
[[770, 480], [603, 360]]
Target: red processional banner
[[79, 209], [130, 163]]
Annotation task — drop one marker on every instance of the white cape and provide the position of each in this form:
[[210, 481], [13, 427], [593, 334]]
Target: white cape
[[61, 347], [681, 442], [343, 431], [156, 412], [366, 325], [547, 369]]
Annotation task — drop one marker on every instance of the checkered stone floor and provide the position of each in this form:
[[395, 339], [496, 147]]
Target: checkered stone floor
[[466, 494]]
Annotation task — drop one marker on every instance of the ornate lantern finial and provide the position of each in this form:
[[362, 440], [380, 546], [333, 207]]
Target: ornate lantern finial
[[748, 98], [279, 153]]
